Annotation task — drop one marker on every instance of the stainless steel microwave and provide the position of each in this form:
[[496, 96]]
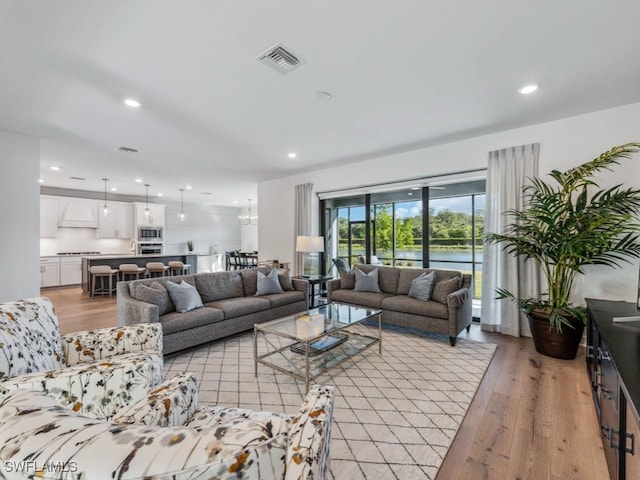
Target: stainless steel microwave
[[149, 234]]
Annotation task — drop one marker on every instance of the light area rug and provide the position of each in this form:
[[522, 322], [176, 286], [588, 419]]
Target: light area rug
[[395, 415]]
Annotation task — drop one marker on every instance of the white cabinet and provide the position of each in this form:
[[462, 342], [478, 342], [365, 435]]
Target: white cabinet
[[70, 270], [77, 212], [48, 217], [118, 223], [49, 271], [155, 217]]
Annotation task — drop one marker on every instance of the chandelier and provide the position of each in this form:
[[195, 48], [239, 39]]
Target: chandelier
[[248, 219]]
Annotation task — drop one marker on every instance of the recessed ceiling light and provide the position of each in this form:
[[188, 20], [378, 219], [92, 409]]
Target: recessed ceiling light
[[188, 187], [527, 89], [138, 180], [323, 96], [40, 180], [415, 188], [114, 189], [410, 193], [292, 155], [160, 194], [235, 202], [130, 102], [55, 169]]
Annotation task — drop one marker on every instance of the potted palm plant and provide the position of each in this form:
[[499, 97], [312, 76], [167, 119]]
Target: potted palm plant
[[570, 222]]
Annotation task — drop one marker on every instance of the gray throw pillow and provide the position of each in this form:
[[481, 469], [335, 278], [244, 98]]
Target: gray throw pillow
[[367, 282], [157, 295], [268, 284], [284, 275], [347, 279], [444, 288], [184, 296], [422, 285]]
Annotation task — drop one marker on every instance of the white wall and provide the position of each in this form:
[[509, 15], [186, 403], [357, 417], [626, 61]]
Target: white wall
[[563, 144], [207, 226], [19, 216]]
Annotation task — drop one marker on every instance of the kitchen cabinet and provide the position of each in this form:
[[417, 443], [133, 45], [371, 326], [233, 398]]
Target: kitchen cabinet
[[156, 214], [48, 217], [613, 356], [77, 212], [70, 270], [49, 271], [118, 223]]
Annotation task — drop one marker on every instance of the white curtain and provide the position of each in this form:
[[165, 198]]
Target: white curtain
[[302, 221], [508, 172]]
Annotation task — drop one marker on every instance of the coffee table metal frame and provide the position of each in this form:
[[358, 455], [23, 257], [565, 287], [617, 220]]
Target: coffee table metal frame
[[343, 318]]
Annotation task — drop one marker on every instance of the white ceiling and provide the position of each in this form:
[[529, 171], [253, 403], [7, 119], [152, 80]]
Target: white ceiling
[[402, 75]]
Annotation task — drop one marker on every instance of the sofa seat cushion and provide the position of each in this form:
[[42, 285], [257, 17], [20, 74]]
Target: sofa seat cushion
[[401, 303], [177, 322], [286, 298], [237, 307], [366, 299]]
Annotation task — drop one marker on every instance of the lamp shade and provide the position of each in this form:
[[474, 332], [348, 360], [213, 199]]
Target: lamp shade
[[309, 244]]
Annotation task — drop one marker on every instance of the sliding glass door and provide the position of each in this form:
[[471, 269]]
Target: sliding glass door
[[395, 232]]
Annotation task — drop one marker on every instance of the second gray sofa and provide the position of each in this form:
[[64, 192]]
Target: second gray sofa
[[448, 311], [230, 305]]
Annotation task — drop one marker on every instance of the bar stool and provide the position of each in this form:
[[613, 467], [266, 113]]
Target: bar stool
[[156, 269], [103, 272], [131, 270], [176, 267]]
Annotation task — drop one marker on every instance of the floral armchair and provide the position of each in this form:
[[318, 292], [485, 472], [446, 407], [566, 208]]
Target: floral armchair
[[96, 373], [165, 436]]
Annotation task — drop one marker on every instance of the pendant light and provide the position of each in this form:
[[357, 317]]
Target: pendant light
[[146, 210], [105, 209], [248, 219], [181, 215]]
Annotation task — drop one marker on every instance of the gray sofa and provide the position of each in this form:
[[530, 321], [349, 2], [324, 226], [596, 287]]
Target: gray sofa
[[447, 313], [230, 306]]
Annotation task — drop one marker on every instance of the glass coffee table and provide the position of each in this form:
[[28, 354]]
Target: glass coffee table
[[307, 344]]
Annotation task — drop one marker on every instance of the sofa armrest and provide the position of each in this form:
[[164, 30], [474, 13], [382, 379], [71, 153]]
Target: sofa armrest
[[331, 286], [132, 311], [171, 403], [104, 343], [460, 305], [300, 284], [309, 443], [97, 390]]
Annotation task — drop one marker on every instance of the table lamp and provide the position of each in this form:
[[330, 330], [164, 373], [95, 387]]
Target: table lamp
[[307, 244]]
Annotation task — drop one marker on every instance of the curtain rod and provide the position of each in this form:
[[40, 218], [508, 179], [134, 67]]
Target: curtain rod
[[400, 182]]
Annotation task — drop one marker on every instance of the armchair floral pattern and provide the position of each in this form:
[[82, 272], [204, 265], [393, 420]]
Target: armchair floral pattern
[[215, 442], [96, 373]]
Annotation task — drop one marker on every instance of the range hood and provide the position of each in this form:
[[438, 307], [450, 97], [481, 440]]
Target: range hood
[[78, 212]]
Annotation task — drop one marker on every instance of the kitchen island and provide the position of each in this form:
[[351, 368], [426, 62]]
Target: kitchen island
[[114, 261]]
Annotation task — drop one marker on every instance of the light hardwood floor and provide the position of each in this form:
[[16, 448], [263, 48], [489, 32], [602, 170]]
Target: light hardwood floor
[[532, 418]]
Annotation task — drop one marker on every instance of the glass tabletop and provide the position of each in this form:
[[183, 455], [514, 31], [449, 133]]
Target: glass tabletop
[[318, 321]]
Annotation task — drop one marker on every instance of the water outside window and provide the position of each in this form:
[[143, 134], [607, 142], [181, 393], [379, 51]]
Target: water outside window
[[453, 242]]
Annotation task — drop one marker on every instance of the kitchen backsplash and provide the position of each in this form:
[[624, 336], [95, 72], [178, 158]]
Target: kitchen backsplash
[[82, 240]]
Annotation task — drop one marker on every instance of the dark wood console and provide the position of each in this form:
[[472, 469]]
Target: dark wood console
[[613, 364]]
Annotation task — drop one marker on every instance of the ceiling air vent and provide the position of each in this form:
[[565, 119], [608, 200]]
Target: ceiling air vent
[[279, 58], [77, 178], [127, 149]]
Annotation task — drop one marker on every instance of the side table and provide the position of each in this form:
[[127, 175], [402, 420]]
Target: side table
[[314, 280]]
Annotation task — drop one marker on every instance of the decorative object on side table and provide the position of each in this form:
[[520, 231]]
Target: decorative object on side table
[[565, 227], [190, 246]]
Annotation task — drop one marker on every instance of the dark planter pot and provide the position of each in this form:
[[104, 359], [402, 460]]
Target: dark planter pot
[[551, 343]]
